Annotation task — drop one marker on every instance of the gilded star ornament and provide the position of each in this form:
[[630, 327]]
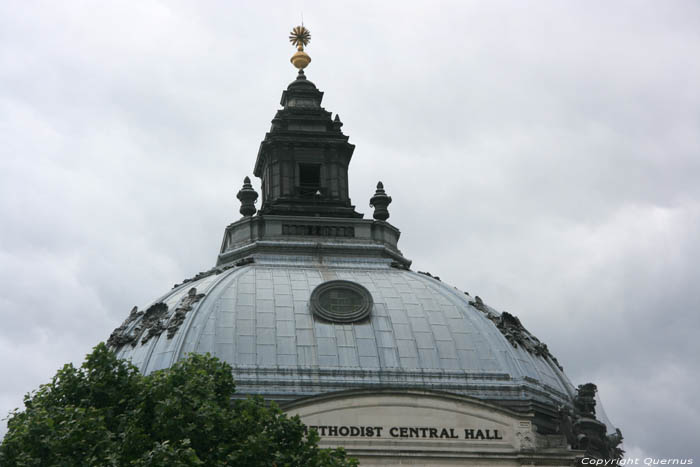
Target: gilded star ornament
[[300, 36]]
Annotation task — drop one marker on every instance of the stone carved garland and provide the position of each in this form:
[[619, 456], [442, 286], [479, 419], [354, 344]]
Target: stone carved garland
[[513, 330], [120, 337], [184, 306], [217, 270], [153, 322]]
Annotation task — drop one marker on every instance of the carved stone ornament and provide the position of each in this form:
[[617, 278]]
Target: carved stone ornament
[[340, 301], [580, 427], [380, 202], [247, 196], [526, 439], [426, 273], [120, 336], [585, 432], [584, 402], [513, 330], [183, 307], [213, 271], [152, 322]]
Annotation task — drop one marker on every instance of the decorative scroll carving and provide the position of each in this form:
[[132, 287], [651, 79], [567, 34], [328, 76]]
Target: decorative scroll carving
[[211, 272], [425, 273], [526, 439], [153, 321], [613, 442], [199, 275], [479, 305], [244, 261], [583, 431], [119, 336], [183, 307], [318, 230], [513, 330], [397, 265]]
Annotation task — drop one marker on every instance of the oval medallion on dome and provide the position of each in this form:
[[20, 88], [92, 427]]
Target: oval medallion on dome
[[341, 301]]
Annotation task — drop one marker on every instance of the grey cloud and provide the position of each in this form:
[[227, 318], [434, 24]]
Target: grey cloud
[[541, 155]]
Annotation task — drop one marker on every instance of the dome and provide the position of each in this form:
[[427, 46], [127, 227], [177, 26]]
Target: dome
[[315, 307], [420, 333]]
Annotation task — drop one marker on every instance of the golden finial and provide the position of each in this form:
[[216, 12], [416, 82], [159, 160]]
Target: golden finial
[[299, 37]]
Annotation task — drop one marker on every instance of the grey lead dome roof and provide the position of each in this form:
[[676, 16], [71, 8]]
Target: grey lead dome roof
[[308, 297], [254, 308], [420, 333]]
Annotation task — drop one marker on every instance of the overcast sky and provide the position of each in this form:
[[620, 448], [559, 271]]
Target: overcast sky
[[543, 155]]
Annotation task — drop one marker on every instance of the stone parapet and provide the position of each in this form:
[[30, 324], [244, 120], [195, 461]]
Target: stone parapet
[[310, 236]]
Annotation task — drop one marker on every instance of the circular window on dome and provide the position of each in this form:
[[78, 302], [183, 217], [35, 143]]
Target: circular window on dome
[[341, 301]]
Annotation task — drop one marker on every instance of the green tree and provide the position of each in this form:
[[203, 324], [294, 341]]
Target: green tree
[[106, 413]]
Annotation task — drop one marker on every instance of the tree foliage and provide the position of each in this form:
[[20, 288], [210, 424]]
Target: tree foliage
[[106, 413]]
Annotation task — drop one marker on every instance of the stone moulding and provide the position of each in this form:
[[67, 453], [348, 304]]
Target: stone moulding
[[313, 380], [264, 234]]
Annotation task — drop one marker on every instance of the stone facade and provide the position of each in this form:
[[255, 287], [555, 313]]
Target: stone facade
[[394, 427]]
